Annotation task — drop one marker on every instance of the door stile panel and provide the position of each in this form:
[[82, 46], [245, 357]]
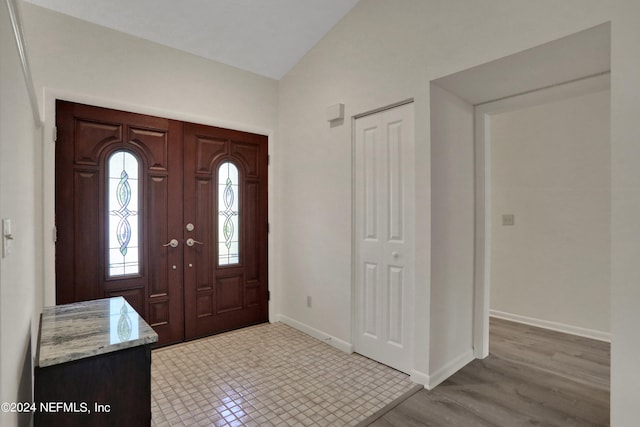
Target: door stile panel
[[251, 233], [370, 311], [204, 305], [396, 301], [164, 164], [175, 220], [204, 280], [64, 185], [370, 182], [87, 277], [395, 182], [158, 235], [203, 208]]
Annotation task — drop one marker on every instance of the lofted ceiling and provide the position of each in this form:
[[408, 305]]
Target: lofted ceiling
[[266, 37]]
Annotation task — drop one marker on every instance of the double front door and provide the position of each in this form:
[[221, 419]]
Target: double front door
[[170, 215]]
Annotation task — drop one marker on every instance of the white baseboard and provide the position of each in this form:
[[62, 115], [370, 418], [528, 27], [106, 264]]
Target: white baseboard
[[316, 333], [419, 377], [449, 369], [554, 326]]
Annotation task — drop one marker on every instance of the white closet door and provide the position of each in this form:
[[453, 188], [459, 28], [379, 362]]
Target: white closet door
[[384, 236]]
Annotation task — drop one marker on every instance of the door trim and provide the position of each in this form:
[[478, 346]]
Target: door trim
[[482, 176], [48, 269]]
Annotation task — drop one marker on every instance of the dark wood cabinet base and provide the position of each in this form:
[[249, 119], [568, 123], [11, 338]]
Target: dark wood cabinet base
[[111, 389]]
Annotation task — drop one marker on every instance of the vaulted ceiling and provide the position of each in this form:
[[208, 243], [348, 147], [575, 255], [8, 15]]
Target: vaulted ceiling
[[266, 37]]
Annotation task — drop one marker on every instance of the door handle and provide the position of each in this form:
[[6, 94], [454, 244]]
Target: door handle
[[173, 243], [191, 242], [395, 254]]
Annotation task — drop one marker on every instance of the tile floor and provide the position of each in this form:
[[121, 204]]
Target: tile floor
[[267, 375]]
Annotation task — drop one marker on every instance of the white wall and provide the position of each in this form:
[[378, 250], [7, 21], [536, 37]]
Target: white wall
[[551, 168], [379, 54], [20, 293], [625, 214], [382, 53], [452, 234]]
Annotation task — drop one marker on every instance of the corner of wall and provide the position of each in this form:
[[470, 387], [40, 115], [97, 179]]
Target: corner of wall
[[16, 22], [421, 378], [449, 369]]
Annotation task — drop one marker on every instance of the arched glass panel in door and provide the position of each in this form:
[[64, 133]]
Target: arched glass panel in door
[[123, 235], [228, 215]]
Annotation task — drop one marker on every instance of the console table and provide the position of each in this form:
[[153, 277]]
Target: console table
[[93, 365]]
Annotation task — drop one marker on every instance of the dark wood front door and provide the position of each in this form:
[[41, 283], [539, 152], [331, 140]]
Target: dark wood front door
[[129, 196], [226, 260]]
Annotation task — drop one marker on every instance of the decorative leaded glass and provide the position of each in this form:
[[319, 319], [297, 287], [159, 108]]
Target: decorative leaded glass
[[123, 195], [228, 215]]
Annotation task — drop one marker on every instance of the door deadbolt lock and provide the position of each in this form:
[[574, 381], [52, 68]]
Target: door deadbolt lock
[[190, 227]]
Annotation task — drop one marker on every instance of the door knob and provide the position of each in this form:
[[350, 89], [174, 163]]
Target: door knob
[[173, 243], [395, 254], [191, 242]]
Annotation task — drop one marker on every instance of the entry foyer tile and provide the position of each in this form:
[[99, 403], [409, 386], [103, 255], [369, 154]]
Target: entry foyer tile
[[267, 375]]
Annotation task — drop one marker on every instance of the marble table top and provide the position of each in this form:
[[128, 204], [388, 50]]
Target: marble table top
[[89, 328]]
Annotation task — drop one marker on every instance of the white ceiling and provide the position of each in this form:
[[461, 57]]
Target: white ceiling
[[266, 37]]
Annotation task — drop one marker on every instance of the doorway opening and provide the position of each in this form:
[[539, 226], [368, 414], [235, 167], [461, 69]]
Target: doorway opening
[[550, 180], [575, 64]]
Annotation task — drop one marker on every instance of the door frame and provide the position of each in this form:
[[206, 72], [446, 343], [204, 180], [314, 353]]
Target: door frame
[[48, 176], [483, 207]]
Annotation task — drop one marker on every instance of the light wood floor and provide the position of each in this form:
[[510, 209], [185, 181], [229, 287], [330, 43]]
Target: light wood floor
[[532, 377]]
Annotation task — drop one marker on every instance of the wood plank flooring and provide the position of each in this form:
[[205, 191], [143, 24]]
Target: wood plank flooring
[[532, 377]]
